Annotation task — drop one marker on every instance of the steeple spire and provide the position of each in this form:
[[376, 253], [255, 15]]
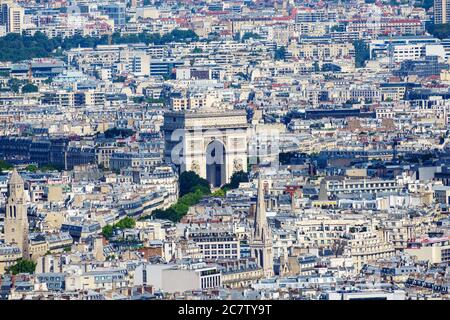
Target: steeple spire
[[261, 243], [15, 185], [260, 214]]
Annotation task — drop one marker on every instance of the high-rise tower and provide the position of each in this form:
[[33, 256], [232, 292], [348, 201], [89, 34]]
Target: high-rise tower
[[16, 221], [441, 11], [261, 242], [11, 16]]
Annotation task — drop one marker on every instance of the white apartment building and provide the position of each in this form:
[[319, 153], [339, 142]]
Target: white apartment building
[[216, 244], [361, 186], [179, 278]]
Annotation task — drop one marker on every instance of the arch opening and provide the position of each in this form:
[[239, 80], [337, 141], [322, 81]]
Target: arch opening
[[215, 163]]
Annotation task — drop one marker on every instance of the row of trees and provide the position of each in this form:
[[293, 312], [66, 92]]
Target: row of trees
[[17, 85], [16, 47], [118, 133], [5, 166], [192, 189]]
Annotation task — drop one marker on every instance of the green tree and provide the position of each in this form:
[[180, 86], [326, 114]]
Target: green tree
[[31, 168], [250, 35], [119, 79], [219, 193], [316, 66], [150, 100], [191, 198], [22, 266], [107, 231], [362, 53], [126, 223], [237, 178], [280, 53], [169, 214], [5, 166], [440, 31], [181, 209], [49, 167], [138, 99], [29, 87], [118, 133], [189, 181], [15, 84]]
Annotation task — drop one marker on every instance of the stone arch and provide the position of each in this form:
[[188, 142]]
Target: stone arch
[[216, 163]]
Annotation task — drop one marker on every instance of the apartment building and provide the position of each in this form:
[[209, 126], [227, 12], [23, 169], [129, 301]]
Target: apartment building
[[433, 250], [198, 276], [364, 245], [9, 254], [441, 11], [11, 16], [119, 160], [349, 185], [216, 244]]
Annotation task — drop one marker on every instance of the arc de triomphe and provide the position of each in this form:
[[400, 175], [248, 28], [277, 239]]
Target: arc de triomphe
[[212, 144]]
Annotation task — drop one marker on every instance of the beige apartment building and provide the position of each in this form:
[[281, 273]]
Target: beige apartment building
[[11, 16], [433, 250], [366, 246], [441, 11], [9, 254]]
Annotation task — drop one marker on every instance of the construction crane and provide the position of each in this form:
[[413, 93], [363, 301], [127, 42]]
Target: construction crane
[[30, 73]]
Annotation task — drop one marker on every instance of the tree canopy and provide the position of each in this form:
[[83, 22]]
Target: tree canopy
[[440, 31], [236, 179], [29, 87], [125, 223], [362, 53], [22, 266], [17, 47], [5, 166], [31, 168], [250, 35], [118, 133], [108, 231], [192, 189], [280, 53], [190, 181]]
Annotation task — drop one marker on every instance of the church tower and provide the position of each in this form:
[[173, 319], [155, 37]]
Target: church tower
[[261, 243], [16, 221]]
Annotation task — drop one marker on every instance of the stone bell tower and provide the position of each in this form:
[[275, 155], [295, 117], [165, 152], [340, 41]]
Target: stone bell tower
[[16, 221]]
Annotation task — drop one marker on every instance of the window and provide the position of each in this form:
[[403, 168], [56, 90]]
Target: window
[[144, 276]]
